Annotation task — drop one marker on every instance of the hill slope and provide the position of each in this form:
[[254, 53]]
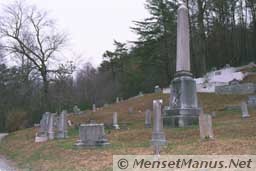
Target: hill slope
[[233, 136]]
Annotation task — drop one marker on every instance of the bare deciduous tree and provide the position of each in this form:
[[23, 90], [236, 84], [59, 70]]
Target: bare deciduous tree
[[29, 32]]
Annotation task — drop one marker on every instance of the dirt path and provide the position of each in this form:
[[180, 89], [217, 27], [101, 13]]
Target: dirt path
[[5, 165]]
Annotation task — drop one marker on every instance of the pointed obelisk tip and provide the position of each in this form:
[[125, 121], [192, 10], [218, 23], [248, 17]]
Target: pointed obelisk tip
[[182, 4]]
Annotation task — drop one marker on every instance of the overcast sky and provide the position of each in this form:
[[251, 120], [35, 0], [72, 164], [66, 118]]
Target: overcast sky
[[92, 25]]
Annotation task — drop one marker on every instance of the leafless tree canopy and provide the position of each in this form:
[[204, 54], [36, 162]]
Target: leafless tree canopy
[[29, 32]]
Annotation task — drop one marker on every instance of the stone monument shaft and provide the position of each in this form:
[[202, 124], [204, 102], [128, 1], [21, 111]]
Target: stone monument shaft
[[183, 46], [158, 123], [158, 136], [183, 109]]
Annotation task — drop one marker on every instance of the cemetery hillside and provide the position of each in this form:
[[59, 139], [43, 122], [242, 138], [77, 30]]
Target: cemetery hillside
[[233, 136], [183, 91]]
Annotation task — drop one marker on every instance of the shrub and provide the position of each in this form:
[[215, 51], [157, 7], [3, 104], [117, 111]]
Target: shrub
[[16, 120]]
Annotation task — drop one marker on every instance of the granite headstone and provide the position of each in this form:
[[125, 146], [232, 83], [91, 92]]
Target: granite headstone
[[91, 135]]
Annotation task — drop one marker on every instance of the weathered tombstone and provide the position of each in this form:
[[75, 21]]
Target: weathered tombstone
[[117, 99], [166, 108], [232, 107], [62, 125], [205, 126], [115, 121], [36, 125], [123, 125], [147, 118], [51, 126], [106, 105], [70, 123], [158, 89], [213, 69], [158, 136], [241, 89], [244, 109], [213, 114], [42, 134], [141, 94], [91, 135], [227, 66], [184, 110], [251, 101], [56, 120], [44, 124], [93, 108], [92, 122], [76, 110], [130, 110]]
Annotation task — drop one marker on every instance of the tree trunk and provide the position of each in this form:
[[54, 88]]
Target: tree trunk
[[252, 5], [45, 100], [202, 37]]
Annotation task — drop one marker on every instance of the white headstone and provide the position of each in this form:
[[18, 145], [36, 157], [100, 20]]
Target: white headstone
[[94, 108], [69, 123], [244, 108], [158, 123], [39, 139], [115, 121], [158, 136], [76, 110], [205, 125], [117, 99], [141, 94], [158, 89]]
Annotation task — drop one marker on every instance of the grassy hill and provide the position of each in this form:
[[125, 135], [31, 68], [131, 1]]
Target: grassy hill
[[233, 136]]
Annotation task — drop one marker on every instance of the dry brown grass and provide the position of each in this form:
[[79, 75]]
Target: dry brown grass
[[210, 102], [250, 79], [233, 136]]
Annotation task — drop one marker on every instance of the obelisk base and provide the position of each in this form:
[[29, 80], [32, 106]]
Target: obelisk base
[[183, 110]]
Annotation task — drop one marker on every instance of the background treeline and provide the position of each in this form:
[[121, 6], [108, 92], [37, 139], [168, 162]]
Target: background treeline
[[222, 32]]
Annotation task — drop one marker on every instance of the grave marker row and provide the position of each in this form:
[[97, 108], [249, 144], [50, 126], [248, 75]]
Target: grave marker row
[[52, 126]]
